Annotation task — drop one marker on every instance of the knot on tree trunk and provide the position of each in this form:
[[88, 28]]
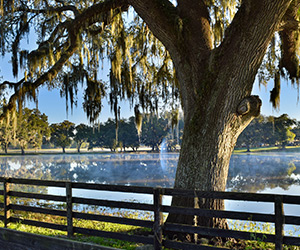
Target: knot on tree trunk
[[249, 106]]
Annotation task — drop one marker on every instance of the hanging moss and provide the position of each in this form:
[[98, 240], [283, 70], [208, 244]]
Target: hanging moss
[[275, 92], [138, 119], [141, 69]]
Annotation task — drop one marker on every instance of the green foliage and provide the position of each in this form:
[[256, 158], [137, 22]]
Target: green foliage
[[268, 131], [82, 135], [154, 130], [62, 134], [74, 40], [128, 134], [31, 128], [104, 136]]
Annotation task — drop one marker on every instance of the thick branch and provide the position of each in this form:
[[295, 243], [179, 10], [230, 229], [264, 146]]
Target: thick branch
[[11, 84], [289, 39], [247, 39], [196, 24], [162, 19], [249, 106]]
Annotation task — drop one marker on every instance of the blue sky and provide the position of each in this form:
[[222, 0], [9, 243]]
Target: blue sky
[[289, 103], [50, 102]]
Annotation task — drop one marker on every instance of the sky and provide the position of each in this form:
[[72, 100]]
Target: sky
[[50, 102], [54, 106]]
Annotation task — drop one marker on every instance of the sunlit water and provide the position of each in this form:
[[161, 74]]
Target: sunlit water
[[276, 173]]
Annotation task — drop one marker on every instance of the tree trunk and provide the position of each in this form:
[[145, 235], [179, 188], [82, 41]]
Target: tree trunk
[[64, 150], [207, 147], [215, 86], [22, 151], [78, 147], [216, 98], [248, 147]]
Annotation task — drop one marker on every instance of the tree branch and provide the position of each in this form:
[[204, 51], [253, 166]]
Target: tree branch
[[12, 84], [74, 27], [289, 38], [197, 19], [50, 10], [162, 19], [248, 36]]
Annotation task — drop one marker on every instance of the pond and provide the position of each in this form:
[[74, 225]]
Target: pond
[[269, 172]]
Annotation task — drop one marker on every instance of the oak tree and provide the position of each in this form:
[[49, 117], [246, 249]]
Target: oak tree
[[82, 135], [207, 53], [32, 127], [128, 135], [154, 130], [62, 134]]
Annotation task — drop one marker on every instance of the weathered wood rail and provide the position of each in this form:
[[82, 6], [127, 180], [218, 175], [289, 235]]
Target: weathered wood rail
[[279, 219]]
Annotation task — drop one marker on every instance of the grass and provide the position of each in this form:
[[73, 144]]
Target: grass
[[257, 229], [103, 226], [258, 241], [267, 149]]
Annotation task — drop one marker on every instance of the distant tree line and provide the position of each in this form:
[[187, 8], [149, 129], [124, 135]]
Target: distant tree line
[[270, 131], [32, 130]]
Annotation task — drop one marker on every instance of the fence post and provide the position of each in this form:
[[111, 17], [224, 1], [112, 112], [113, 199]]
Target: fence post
[[69, 209], [158, 219], [279, 222], [6, 202]]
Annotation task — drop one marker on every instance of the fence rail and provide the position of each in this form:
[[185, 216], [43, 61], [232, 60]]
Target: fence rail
[[157, 224]]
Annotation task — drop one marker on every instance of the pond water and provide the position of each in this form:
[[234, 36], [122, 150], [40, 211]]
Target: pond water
[[276, 173]]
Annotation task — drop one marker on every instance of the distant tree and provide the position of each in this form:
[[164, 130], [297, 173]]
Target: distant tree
[[104, 136], [32, 127], [282, 129], [6, 135], [108, 135], [253, 135], [62, 134], [128, 134], [154, 130], [268, 130], [82, 134], [296, 131]]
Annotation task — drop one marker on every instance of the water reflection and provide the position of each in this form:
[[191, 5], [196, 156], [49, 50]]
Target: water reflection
[[264, 172], [247, 173]]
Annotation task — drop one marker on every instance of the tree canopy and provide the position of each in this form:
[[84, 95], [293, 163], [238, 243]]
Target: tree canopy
[[62, 134], [205, 53], [270, 130], [74, 37]]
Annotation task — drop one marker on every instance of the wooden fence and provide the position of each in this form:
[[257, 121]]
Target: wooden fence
[[157, 224]]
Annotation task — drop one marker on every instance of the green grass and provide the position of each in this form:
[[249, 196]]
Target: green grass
[[266, 149], [258, 241], [253, 227], [103, 226]]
